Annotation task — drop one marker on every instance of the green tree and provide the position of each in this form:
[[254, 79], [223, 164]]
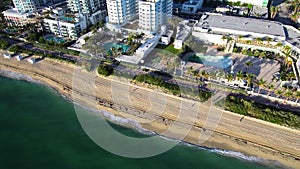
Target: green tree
[[100, 24], [3, 44], [41, 39], [273, 11], [248, 64], [105, 70], [287, 49], [249, 78], [270, 87], [239, 75], [290, 76], [279, 44], [261, 83], [297, 95], [295, 6], [278, 92], [203, 75], [229, 77], [288, 94]]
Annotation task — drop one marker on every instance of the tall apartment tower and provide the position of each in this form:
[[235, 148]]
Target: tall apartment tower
[[153, 14], [29, 5], [95, 10], [121, 12]]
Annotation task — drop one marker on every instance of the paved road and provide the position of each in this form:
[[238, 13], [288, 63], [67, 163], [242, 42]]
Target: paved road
[[31, 47]]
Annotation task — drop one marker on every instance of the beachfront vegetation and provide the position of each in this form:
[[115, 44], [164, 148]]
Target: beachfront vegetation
[[3, 44], [260, 111], [54, 47], [190, 92], [157, 81], [105, 69], [19, 49]]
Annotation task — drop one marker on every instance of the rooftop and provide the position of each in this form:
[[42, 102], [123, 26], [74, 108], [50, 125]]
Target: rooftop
[[168, 33], [243, 24], [190, 3], [69, 18], [183, 31], [15, 12]]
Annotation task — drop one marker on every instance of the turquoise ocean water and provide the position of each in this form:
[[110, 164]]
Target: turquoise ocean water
[[39, 130]]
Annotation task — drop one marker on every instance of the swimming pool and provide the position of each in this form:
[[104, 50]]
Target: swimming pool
[[215, 61], [55, 39], [67, 19], [7, 30], [121, 46]]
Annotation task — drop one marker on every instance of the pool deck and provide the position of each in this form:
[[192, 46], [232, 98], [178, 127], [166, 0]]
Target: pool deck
[[55, 38], [261, 68]]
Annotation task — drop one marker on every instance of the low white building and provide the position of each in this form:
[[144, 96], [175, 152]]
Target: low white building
[[191, 6], [183, 32], [15, 18], [66, 25], [147, 47], [224, 25], [165, 39], [142, 52]]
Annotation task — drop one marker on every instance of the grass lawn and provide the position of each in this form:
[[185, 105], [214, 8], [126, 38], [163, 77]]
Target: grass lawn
[[169, 48]]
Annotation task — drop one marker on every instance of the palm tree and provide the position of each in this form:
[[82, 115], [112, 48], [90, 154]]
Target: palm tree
[[268, 39], [229, 77], [297, 95], [295, 5], [239, 75], [295, 16], [288, 61], [270, 87], [278, 92], [274, 10], [249, 78], [290, 76], [287, 49], [261, 83], [258, 40], [248, 64], [288, 94], [279, 44], [224, 37], [203, 74]]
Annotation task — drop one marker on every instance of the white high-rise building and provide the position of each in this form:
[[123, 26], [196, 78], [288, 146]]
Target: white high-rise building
[[94, 9], [121, 12], [153, 14], [32, 5]]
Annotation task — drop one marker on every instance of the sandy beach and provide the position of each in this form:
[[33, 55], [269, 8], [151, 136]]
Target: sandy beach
[[250, 136]]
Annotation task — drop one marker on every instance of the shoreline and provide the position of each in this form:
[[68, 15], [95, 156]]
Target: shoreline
[[220, 140], [140, 129]]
